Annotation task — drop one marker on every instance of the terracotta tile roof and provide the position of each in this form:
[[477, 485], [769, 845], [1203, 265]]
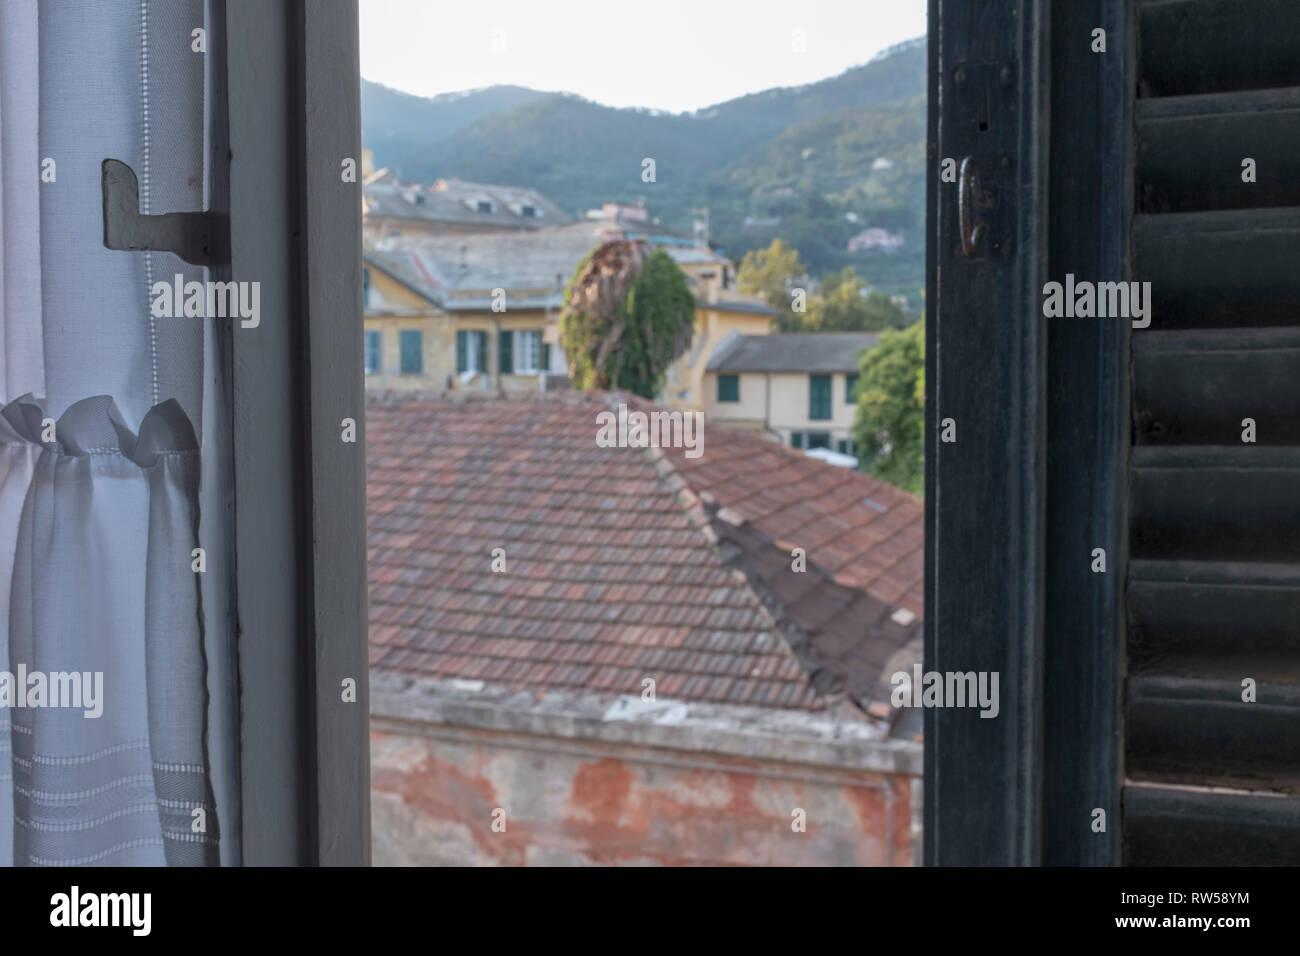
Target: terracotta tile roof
[[864, 532], [620, 564], [611, 576]]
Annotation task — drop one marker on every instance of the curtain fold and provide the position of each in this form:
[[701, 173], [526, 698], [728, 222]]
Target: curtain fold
[[103, 592], [117, 700]]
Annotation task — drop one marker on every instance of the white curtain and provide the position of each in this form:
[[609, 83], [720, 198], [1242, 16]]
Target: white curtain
[[101, 514]]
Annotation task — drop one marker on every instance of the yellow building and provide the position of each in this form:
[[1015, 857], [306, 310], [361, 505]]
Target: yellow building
[[801, 388], [392, 209], [414, 343], [721, 311], [481, 311]]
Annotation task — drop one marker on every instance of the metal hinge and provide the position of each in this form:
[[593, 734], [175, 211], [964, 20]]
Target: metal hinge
[[200, 238]]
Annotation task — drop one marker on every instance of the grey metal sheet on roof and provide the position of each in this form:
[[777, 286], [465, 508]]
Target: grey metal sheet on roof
[[793, 352]]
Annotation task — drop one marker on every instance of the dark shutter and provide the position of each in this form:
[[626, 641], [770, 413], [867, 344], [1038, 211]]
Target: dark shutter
[[482, 352], [546, 356], [728, 388], [462, 350], [819, 397], [796, 439], [1214, 579], [850, 389], [507, 366], [412, 348]]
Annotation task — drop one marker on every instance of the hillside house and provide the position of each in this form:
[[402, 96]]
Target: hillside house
[[799, 387], [876, 238]]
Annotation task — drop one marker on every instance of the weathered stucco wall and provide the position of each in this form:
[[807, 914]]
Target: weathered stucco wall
[[577, 802]]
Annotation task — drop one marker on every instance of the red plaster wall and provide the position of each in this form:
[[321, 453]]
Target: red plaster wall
[[574, 803]]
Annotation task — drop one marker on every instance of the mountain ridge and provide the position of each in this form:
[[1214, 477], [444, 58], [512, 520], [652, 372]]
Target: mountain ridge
[[813, 164]]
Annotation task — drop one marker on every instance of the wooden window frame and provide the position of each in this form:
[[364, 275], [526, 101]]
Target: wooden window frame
[[285, 76], [1014, 507]]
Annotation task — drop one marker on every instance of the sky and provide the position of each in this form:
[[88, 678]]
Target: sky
[[673, 55]]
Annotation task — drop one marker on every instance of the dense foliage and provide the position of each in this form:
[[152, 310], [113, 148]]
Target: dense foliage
[[628, 312], [840, 302], [890, 427]]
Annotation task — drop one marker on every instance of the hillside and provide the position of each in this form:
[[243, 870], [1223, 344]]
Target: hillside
[[396, 123], [791, 161]]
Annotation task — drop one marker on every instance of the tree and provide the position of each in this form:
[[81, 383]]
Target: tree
[[889, 430], [628, 313], [771, 273], [843, 307]]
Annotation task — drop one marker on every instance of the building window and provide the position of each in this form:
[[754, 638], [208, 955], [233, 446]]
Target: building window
[[484, 206], [726, 277], [529, 211], [851, 389], [528, 352], [374, 351], [796, 439], [412, 347], [819, 398], [846, 446], [471, 347], [365, 288], [728, 388], [819, 440]]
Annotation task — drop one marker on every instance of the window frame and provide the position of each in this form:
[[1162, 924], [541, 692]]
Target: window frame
[[1008, 585], [476, 349], [285, 102], [378, 339], [518, 350]]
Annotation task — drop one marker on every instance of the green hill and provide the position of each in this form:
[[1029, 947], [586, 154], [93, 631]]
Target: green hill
[[814, 164]]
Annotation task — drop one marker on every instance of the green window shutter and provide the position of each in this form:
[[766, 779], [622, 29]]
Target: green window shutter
[[412, 347], [546, 356], [796, 439], [851, 389], [374, 351], [507, 342], [482, 352], [843, 447], [728, 388], [462, 348], [819, 397]]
